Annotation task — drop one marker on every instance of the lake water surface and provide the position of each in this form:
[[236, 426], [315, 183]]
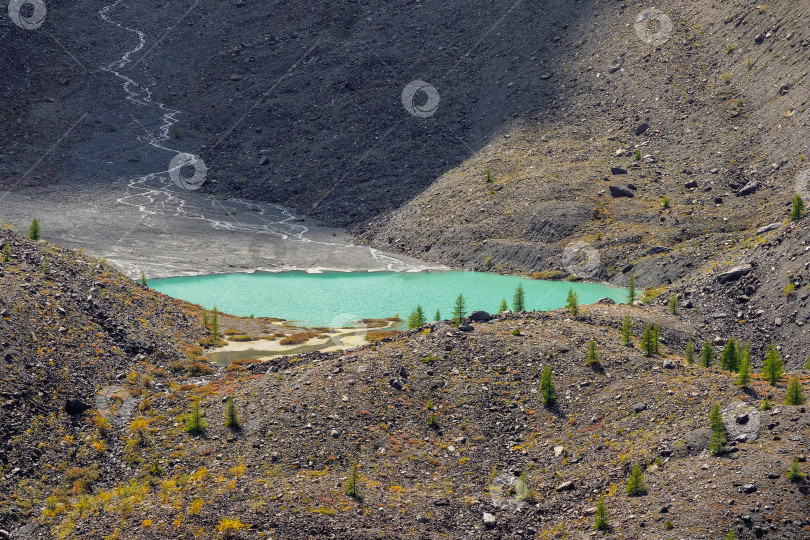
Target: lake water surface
[[336, 298]]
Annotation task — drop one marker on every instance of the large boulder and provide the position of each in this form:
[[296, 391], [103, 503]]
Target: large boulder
[[734, 273], [480, 316]]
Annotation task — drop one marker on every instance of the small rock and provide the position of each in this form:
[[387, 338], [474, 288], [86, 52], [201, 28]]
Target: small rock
[[441, 502], [466, 327], [691, 184], [769, 227], [334, 433], [565, 486], [642, 128], [778, 321], [618, 170], [742, 418], [669, 364], [639, 407], [748, 189], [76, 406], [397, 384], [748, 488], [489, 520], [559, 451], [264, 160], [616, 192], [734, 273]]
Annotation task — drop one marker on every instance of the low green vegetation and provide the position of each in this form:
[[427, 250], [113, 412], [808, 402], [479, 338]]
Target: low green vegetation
[[650, 341], [635, 484], [519, 299], [416, 318], [549, 394], [707, 355], [601, 522], [690, 352], [34, 232], [673, 304], [593, 355], [504, 306], [231, 418], [627, 332], [719, 438], [352, 488], [729, 358], [631, 290], [795, 396], [573, 303], [7, 258], [460, 309], [195, 423], [798, 210], [772, 367], [794, 473]]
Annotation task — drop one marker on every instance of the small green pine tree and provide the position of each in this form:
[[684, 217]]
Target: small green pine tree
[[7, 257], [547, 388], [744, 378], [729, 360], [504, 306], [627, 332], [34, 232], [690, 353], [794, 473], [635, 484], [807, 364], [438, 315], [231, 419], [601, 523], [631, 290], [205, 318], [489, 178], [573, 303], [215, 323], [460, 309], [519, 299], [593, 356], [795, 396], [655, 339], [353, 483], [717, 444], [766, 404], [649, 340], [195, 422], [673, 304], [416, 318], [772, 367], [797, 212], [524, 491], [46, 267], [707, 355], [143, 279], [731, 535]]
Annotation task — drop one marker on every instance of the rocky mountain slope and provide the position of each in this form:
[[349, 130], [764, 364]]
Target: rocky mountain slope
[[71, 327], [441, 423]]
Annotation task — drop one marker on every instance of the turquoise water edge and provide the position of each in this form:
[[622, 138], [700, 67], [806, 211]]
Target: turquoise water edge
[[337, 298]]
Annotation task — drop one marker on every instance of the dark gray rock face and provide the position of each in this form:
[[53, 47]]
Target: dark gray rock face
[[734, 274], [616, 192]]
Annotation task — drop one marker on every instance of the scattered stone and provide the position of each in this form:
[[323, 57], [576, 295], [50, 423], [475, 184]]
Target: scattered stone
[[616, 192], [669, 364], [480, 316], [778, 321], [489, 520], [769, 227], [559, 451], [466, 327], [397, 384], [691, 184], [748, 189], [606, 301], [618, 170], [641, 129], [76, 406], [442, 502], [748, 488], [734, 274], [639, 407], [565, 486], [264, 160]]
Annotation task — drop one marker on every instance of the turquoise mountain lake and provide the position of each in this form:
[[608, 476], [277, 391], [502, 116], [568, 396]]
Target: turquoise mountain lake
[[335, 299]]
